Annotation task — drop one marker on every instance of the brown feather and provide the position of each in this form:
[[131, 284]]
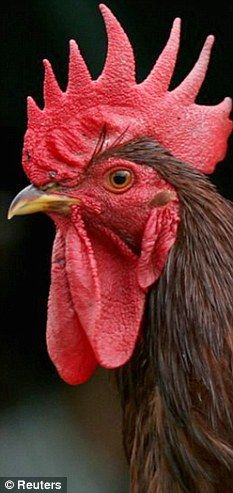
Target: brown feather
[[177, 390]]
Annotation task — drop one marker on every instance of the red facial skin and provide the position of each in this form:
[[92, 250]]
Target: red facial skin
[[103, 264]]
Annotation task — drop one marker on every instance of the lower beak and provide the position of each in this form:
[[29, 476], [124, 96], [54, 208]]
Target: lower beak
[[32, 199]]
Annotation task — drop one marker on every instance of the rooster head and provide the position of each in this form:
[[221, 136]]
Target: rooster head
[[116, 220]]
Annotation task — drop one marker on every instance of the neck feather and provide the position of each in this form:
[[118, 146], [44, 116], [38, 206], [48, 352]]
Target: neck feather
[[176, 391]]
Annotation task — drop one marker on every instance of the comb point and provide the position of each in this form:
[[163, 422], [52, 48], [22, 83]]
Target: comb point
[[188, 90], [52, 91], [160, 76], [79, 75], [119, 52], [33, 111]]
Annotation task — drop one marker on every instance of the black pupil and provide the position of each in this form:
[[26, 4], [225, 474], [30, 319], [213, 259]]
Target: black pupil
[[120, 177]]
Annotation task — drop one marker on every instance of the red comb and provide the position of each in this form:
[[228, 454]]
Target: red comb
[[69, 125]]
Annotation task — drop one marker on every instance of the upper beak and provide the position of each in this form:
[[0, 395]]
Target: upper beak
[[32, 199]]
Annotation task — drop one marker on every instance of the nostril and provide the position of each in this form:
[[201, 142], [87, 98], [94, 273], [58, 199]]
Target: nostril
[[52, 174]]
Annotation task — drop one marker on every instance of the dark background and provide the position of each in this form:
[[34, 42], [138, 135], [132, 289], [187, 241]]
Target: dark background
[[47, 427]]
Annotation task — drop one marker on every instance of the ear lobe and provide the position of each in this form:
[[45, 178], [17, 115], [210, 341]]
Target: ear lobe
[[159, 236]]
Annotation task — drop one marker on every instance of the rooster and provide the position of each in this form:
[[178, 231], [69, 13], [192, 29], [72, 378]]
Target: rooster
[[141, 277]]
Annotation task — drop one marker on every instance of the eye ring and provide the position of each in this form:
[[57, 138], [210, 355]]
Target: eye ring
[[119, 180]]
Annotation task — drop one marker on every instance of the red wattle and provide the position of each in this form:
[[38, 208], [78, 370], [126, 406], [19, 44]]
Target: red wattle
[[67, 342], [110, 305]]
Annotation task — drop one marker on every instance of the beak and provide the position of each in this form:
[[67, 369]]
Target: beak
[[32, 199]]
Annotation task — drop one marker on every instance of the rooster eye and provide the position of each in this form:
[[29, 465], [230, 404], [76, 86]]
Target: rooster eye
[[119, 180]]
